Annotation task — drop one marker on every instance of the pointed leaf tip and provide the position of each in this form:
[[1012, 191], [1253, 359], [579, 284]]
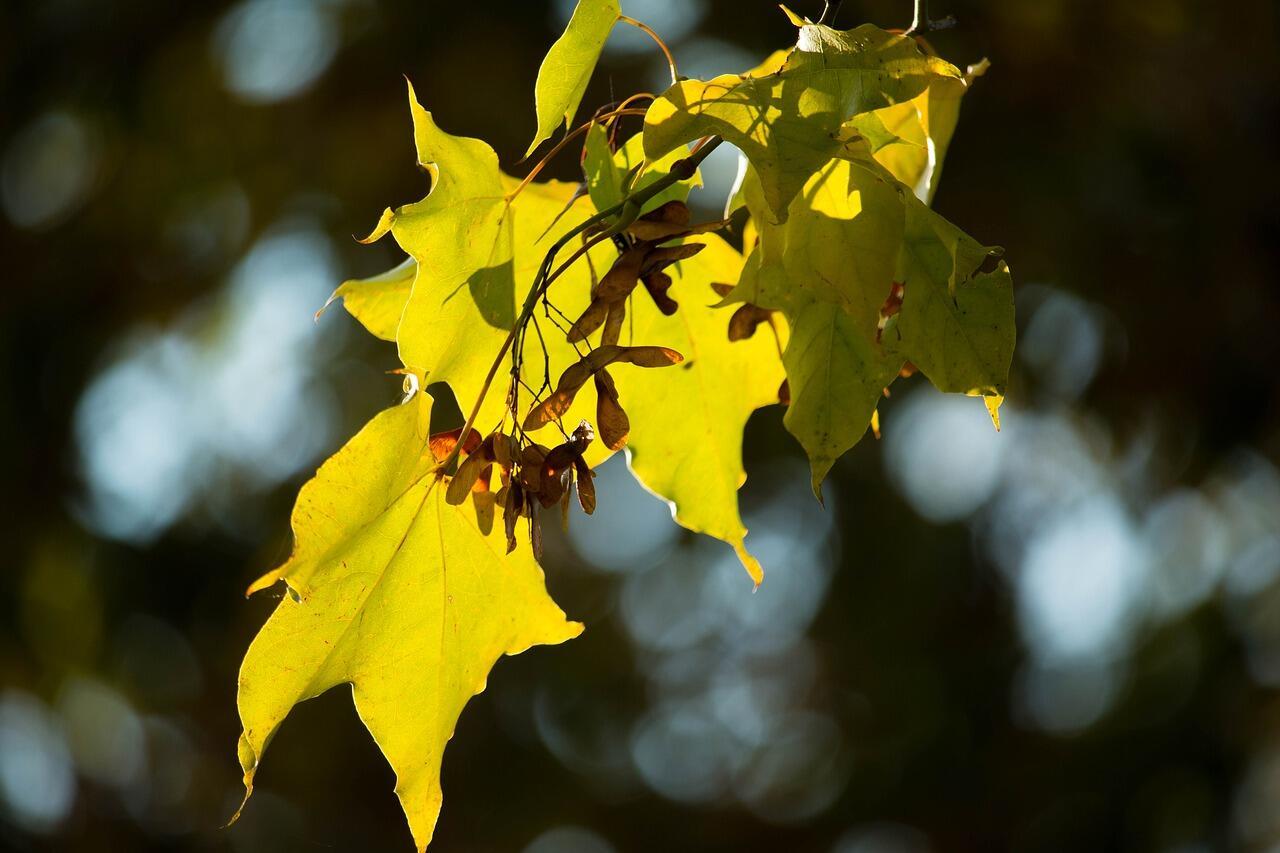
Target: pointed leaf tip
[[380, 230], [993, 403], [793, 17], [750, 563], [567, 67]]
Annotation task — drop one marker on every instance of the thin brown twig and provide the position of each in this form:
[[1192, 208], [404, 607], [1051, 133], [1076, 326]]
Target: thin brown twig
[[666, 51]]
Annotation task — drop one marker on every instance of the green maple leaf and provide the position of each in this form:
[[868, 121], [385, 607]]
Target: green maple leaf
[[567, 68], [395, 592], [611, 175], [956, 323], [788, 123], [911, 139], [852, 232]]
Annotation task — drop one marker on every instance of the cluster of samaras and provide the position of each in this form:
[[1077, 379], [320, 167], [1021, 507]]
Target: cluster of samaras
[[533, 476]]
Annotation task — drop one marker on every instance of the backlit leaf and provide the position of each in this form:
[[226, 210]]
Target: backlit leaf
[[854, 237], [956, 322], [691, 453], [398, 594], [377, 302], [567, 68], [462, 302], [608, 172], [788, 123], [911, 139]]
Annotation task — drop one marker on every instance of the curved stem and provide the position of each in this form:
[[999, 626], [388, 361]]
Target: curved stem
[[920, 22], [681, 171], [671, 61]]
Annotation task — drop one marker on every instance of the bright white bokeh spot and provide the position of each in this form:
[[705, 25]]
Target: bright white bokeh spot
[[273, 49], [705, 595], [231, 393], [107, 737], [682, 754], [664, 609], [631, 528], [749, 696], [794, 538], [702, 58], [798, 772], [1063, 344], [138, 438], [37, 778], [730, 668], [942, 453], [47, 171], [1188, 544], [1063, 700], [1081, 583]]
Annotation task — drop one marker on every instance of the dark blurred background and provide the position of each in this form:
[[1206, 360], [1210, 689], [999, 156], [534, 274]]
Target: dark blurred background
[[1062, 637]]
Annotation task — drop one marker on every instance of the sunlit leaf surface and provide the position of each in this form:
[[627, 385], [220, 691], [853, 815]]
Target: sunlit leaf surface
[[404, 597]]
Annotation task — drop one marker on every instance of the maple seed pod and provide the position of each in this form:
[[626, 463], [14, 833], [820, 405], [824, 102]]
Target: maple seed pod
[[613, 323], [658, 284], [662, 222], [586, 485], [503, 449], [591, 319], [464, 480], [582, 437], [649, 356], [511, 508], [556, 404], [743, 323], [535, 533], [577, 374], [621, 278], [664, 256], [610, 417], [530, 472], [556, 475], [486, 510]]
